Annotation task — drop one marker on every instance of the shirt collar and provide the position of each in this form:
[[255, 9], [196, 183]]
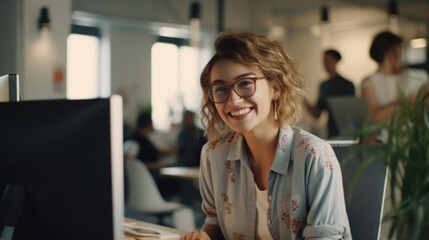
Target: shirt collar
[[284, 149], [283, 152]]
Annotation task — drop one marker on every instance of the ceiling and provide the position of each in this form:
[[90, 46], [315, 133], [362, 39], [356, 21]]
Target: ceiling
[[415, 10]]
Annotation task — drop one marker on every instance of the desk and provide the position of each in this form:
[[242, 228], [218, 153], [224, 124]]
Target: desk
[[151, 225], [188, 173]]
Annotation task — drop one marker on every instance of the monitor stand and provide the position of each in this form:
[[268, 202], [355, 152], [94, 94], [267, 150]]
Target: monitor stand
[[10, 209]]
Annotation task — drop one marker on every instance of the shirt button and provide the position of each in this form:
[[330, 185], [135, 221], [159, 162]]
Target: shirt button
[[269, 221], [270, 198]]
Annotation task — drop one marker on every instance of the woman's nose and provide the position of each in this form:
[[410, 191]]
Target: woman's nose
[[233, 96]]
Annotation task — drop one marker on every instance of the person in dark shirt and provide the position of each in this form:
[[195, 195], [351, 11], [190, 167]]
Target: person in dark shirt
[[335, 85], [190, 141], [148, 151]]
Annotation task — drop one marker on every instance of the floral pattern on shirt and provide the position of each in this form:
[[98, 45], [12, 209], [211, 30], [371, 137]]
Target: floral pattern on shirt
[[298, 153], [232, 137], [230, 169], [239, 236], [296, 226], [329, 164], [283, 143], [305, 142], [226, 203], [293, 204], [213, 144]]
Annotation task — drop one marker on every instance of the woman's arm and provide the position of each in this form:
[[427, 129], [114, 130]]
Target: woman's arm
[[327, 216], [210, 229]]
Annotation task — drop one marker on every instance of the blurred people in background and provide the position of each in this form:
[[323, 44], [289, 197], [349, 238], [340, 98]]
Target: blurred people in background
[[382, 89], [148, 153], [335, 85], [190, 141]]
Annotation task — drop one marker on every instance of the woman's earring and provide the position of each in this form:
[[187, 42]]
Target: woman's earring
[[276, 117]]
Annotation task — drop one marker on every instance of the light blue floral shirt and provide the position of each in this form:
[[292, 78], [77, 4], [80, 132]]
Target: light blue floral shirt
[[305, 192]]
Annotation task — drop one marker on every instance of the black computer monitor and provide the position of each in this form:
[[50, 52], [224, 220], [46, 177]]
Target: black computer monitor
[[67, 155], [9, 88]]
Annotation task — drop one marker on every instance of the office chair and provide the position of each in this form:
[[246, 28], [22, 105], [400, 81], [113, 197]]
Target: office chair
[[144, 196], [366, 202]]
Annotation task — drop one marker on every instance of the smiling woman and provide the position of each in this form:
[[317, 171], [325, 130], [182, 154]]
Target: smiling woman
[[285, 181]]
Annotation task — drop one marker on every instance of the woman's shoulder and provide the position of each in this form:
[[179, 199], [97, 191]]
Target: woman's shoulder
[[308, 141], [220, 143], [314, 151], [311, 145], [366, 81]]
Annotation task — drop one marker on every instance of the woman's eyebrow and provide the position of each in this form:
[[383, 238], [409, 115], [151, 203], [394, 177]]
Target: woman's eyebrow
[[243, 75]]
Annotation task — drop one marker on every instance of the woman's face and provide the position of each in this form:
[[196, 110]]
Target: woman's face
[[244, 114]]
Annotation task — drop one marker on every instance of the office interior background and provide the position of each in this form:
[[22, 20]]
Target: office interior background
[[151, 52]]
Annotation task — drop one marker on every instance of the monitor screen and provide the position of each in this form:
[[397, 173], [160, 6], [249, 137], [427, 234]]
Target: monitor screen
[[9, 88], [67, 155]]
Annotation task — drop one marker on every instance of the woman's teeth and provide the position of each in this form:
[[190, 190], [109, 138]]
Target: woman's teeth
[[240, 112]]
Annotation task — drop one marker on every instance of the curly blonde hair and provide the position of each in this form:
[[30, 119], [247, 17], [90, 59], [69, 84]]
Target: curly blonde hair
[[276, 65]]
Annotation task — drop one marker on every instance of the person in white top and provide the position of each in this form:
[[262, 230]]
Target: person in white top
[[383, 88]]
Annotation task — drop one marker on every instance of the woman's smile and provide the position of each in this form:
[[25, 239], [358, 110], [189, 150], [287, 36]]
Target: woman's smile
[[240, 112]]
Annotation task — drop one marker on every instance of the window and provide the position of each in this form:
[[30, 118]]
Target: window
[[83, 61], [175, 79]]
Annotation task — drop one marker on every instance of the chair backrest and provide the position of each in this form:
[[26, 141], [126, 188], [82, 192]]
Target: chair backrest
[[366, 202], [143, 191]]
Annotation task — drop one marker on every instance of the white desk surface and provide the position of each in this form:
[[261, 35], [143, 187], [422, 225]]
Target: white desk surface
[[189, 173], [152, 226]]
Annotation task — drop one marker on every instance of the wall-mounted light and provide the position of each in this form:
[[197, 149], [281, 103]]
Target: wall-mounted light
[[324, 14], [392, 8], [393, 15], [195, 16], [195, 10], [44, 20]]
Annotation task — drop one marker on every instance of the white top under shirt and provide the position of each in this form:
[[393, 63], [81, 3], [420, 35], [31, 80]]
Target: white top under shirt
[[262, 231]]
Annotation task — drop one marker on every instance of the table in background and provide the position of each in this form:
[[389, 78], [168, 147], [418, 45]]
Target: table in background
[[188, 189]]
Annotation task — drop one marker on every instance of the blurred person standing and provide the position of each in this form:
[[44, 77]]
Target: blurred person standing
[[383, 88], [335, 85]]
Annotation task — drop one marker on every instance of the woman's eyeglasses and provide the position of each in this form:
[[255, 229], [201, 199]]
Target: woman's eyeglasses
[[244, 87]]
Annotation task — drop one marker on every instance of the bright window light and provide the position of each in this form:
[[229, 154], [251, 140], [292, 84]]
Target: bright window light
[[418, 43], [82, 66], [165, 72], [174, 83]]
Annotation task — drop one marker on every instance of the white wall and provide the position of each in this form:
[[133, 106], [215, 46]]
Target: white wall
[[130, 69], [44, 52]]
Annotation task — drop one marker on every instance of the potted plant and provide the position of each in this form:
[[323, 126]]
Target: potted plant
[[406, 154]]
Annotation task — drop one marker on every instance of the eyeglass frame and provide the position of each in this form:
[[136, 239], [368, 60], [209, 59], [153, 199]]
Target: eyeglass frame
[[232, 86]]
